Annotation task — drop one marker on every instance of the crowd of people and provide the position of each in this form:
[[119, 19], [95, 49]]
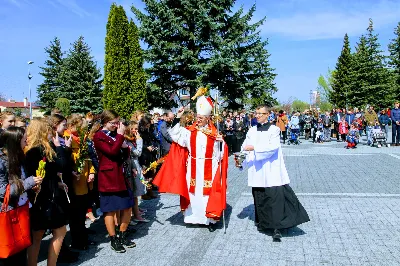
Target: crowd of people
[[95, 165], [344, 125], [100, 165]]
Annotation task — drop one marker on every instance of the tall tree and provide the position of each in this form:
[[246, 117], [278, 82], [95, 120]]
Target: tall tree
[[47, 91], [299, 105], [117, 77], [394, 61], [340, 93], [378, 90], [240, 63], [359, 75], [198, 42], [136, 71], [81, 79], [325, 85]]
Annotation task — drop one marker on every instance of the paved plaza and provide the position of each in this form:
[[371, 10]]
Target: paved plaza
[[352, 198]]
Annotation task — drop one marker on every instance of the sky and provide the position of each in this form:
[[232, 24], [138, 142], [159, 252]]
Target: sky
[[305, 36]]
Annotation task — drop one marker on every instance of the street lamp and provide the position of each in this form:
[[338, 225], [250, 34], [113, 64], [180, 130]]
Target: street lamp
[[30, 93]]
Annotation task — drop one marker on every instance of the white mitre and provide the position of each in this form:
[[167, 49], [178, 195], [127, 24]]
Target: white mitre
[[204, 105]]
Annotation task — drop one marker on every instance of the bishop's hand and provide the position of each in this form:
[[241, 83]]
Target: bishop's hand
[[249, 148], [180, 112], [219, 138]]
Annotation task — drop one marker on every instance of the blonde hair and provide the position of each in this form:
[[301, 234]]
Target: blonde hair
[[136, 114], [38, 132], [75, 120]]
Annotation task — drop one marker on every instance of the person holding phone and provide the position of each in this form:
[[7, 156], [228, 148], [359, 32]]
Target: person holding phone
[[115, 198]]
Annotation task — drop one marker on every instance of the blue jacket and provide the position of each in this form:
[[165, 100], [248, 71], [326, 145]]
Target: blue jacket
[[395, 115], [350, 118], [384, 119]]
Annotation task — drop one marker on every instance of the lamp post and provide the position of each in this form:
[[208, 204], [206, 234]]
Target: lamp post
[[30, 93]]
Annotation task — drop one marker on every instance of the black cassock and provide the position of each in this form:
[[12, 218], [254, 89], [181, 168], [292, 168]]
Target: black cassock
[[277, 207]]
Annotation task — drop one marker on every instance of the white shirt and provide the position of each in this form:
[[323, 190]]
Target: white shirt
[[265, 164]]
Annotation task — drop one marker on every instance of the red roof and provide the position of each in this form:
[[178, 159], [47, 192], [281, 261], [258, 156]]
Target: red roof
[[16, 105]]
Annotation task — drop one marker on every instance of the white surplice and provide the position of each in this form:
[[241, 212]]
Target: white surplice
[[196, 211], [265, 164]]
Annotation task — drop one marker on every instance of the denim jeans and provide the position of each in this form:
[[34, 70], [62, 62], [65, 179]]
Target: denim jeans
[[385, 129], [369, 134], [327, 133]]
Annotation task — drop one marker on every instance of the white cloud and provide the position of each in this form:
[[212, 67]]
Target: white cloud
[[333, 22], [14, 2], [72, 6], [19, 3]]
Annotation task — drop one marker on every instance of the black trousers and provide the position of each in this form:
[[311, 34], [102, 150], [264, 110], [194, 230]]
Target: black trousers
[[230, 141], [284, 135], [77, 221], [395, 133], [238, 145]]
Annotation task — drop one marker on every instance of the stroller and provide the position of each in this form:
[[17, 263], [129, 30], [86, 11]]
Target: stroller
[[294, 136], [379, 138]]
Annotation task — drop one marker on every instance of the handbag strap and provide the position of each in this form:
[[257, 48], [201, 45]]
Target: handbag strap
[[4, 207]]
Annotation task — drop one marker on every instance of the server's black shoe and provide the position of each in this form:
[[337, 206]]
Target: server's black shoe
[[116, 245], [211, 228], [276, 236]]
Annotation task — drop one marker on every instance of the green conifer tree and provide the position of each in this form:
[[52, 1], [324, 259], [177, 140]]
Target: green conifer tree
[[47, 91], [199, 42], [359, 75], [394, 62], [136, 71], [117, 78], [378, 91], [340, 94], [81, 79]]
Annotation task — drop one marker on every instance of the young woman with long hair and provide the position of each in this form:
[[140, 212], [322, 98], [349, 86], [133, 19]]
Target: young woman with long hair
[[82, 181], [135, 143], [58, 125], [115, 197], [12, 172], [48, 210], [149, 152]]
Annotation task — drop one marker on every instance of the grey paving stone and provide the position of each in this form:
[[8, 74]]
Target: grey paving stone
[[352, 197]]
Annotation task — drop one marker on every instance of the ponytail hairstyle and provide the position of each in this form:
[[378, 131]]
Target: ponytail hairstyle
[[10, 141], [102, 119]]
